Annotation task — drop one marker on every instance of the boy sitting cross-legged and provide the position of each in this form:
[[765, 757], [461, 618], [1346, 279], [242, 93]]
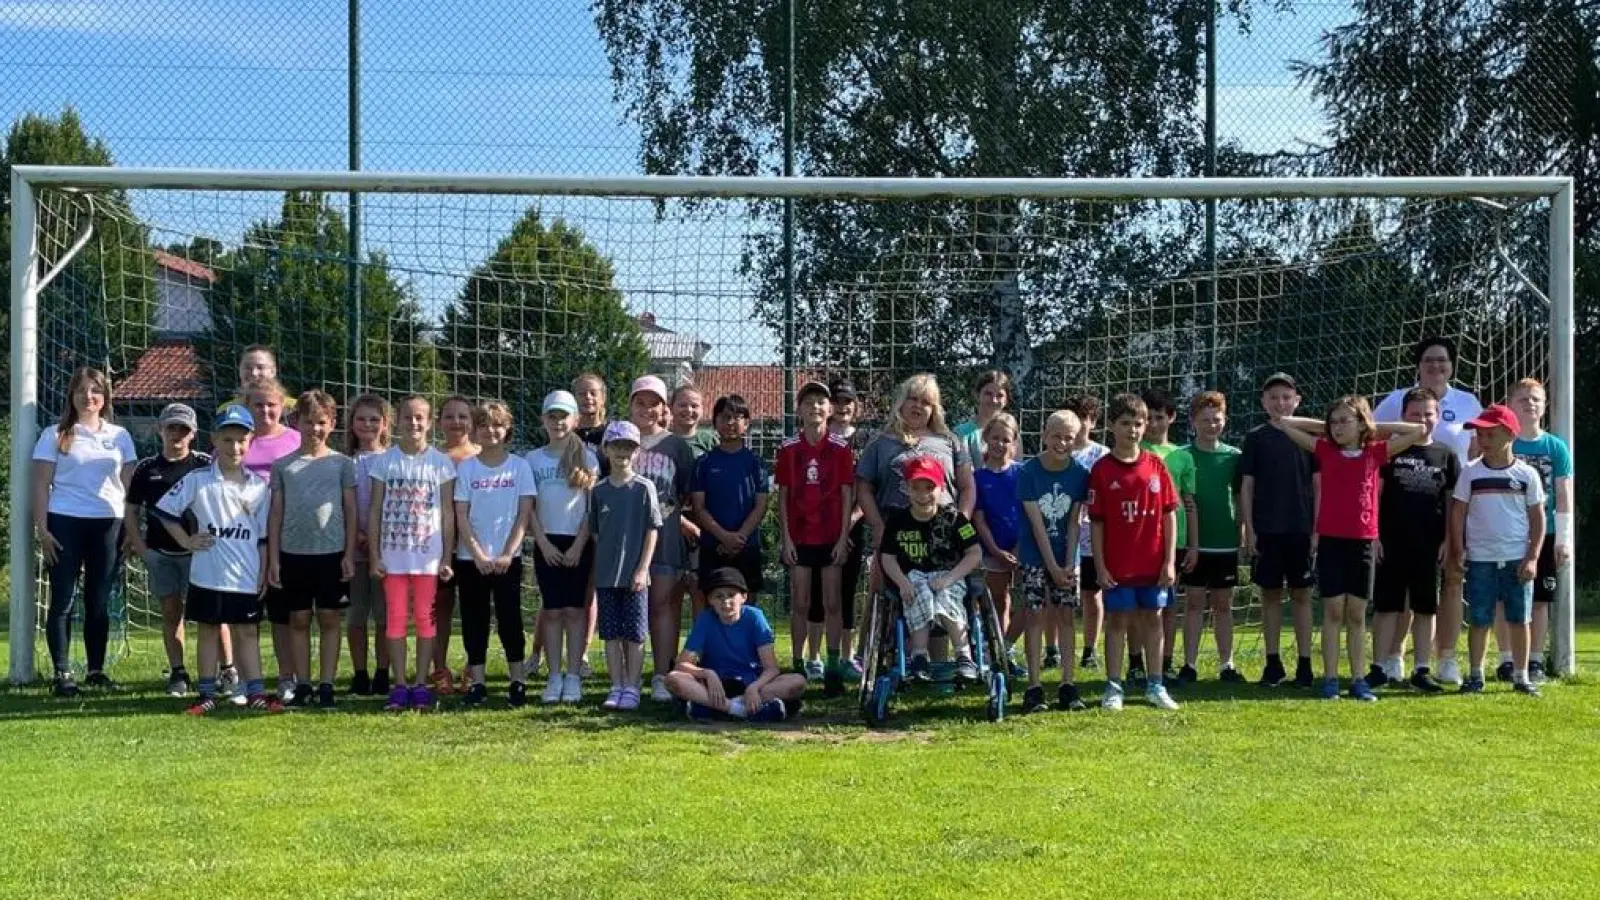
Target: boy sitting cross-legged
[[728, 664]]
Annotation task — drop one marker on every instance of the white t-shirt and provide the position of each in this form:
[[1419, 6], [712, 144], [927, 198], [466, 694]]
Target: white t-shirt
[[1497, 509], [412, 538], [492, 495], [88, 479], [233, 512], [1456, 409], [1087, 457], [561, 507]]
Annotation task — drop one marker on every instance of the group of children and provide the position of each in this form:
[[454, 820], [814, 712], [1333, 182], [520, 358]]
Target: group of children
[[625, 518]]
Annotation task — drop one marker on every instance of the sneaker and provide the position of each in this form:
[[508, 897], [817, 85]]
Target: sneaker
[[302, 696], [699, 712], [770, 711], [1068, 698], [422, 699], [1360, 690], [1536, 673], [1159, 698], [1230, 675], [380, 683], [629, 700], [477, 695], [360, 683], [1376, 677], [1052, 657], [613, 699], [832, 683], [399, 699], [850, 671], [658, 690], [1502, 672], [552, 691], [178, 683], [1033, 700], [1089, 661], [325, 696], [1330, 689], [1016, 671], [1527, 687], [966, 669], [813, 670], [517, 695], [571, 688], [1274, 674], [1188, 675], [202, 706], [530, 666], [100, 681], [1449, 671], [1422, 681], [584, 669], [1303, 678], [1472, 686], [65, 686], [919, 669], [442, 682], [1394, 669], [1136, 672], [229, 688], [264, 702], [1113, 699], [791, 708]]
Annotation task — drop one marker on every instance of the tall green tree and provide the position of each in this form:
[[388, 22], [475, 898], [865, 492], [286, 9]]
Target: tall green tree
[[284, 286], [97, 310], [541, 309]]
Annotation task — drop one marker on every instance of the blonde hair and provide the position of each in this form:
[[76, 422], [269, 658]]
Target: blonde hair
[[97, 381], [1358, 407], [598, 382], [385, 418], [924, 386], [570, 450], [264, 387], [1066, 418], [1005, 420], [491, 412]]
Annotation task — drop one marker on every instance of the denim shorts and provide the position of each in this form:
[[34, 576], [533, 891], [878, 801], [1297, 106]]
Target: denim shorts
[[1489, 583]]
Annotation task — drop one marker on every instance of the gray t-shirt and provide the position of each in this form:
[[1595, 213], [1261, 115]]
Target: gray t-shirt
[[313, 501], [619, 517], [883, 463], [667, 462]]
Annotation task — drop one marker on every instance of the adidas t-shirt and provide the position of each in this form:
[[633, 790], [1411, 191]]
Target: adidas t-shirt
[[412, 537], [232, 512], [493, 495], [1497, 509]]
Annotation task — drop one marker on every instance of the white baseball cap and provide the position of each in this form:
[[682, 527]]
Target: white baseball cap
[[562, 401]]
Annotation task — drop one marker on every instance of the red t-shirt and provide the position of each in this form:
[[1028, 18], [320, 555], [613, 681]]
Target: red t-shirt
[[1349, 507], [812, 476], [1132, 500]]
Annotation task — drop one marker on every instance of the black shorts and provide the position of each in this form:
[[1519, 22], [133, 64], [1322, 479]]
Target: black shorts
[[564, 587], [849, 580], [1282, 559], [1344, 567], [1088, 576], [813, 556], [311, 581], [1544, 579], [209, 607], [1215, 571], [749, 564], [1408, 578]]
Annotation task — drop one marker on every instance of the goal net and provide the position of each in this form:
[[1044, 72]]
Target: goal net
[[508, 288]]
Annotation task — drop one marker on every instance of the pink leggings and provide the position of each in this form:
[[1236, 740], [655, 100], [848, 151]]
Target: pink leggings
[[422, 589]]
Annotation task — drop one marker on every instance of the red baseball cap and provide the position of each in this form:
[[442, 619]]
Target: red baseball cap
[[926, 468], [1496, 416]]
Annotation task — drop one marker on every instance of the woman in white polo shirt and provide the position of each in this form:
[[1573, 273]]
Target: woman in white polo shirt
[[81, 469], [1435, 358]]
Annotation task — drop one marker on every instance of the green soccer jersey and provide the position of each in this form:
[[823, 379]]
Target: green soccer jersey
[[1181, 468], [1214, 478]]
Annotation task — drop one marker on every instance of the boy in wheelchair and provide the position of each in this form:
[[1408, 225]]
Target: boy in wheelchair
[[927, 553]]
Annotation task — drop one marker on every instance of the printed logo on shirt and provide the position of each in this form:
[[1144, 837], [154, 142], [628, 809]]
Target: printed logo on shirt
[[1448, 415], [495, 482], [1155, 484], [1054, 507], [107, 444], [232, 532]]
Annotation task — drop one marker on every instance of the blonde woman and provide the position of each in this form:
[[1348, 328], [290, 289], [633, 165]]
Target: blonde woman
[[916, 428]]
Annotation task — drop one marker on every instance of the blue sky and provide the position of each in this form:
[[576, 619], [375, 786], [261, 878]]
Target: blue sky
[[514, 87]]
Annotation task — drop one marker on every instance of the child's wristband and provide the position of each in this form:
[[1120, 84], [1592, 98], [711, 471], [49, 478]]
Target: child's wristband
[[1564, 529]]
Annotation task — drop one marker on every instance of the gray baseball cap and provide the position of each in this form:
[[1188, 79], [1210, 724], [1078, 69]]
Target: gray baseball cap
[[178, 414]]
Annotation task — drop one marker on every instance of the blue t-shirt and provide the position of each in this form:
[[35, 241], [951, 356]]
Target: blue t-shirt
[[1055, 492], [732, 651], [1549, 457], [731, 482], [997, 497]]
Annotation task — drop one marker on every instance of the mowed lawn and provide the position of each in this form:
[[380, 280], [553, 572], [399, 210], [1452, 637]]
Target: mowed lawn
[[1243, 793]]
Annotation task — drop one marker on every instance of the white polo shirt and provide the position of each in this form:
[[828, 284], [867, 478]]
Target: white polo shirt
[[1456, 409], [88, 478], [232, 512]]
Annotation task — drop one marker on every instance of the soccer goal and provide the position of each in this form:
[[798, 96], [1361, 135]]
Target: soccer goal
[[509, 286]]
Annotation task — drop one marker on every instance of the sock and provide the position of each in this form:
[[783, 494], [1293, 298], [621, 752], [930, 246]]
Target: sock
[[1135, 661], [255, 686], [208, 688], [179, 670], [328, 685], [1477, 672], [1399, 662], [1166, 663], [1505, 656], [361, 673], [1155, 681], [1520, 676], [736, 708], [800, 664], [1275, 659], [833, 660], [1052, 648], [1422, 670]]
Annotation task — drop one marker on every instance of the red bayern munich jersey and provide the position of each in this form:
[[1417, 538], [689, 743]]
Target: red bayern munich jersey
[[812, 477], [1132, 501]]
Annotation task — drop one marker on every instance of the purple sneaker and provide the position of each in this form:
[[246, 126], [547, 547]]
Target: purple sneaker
[[629, 700], [421, 698], [399, 699], [613, 700]]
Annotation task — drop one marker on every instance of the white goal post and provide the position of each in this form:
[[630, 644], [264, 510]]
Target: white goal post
[[27, 277]]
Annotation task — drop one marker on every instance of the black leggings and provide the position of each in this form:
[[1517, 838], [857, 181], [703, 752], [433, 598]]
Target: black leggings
[[89, 546], [477, 592]]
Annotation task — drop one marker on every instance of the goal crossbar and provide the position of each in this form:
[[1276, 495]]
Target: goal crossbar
[[25, 279]]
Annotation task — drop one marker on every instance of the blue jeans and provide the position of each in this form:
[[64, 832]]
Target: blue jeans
[[89, 546], [1489, 583]]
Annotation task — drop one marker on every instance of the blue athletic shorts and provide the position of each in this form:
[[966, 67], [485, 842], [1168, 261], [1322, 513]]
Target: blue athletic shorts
[[1125, 598]]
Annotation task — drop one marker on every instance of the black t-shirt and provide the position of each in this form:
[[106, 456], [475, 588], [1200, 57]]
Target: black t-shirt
[[1417, 486], [152, 478], [936, 545], [1283, 500], [591, 435]]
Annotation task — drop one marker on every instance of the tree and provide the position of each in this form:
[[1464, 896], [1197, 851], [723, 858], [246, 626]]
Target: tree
[[285, 286], [540, 310], [97, 311], [927, 88]]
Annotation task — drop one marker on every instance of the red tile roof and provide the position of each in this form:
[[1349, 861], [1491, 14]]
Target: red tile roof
[[165, 372], [186, 267], [760, 386]]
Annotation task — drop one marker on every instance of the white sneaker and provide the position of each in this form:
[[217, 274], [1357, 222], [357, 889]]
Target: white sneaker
[[571, 688], [553, 690], [1113, 699], [1394, 669], [814, 670], [286, 690], [1159, 698], [228, 686], [584, 669], [658, 689], [1449, 671]]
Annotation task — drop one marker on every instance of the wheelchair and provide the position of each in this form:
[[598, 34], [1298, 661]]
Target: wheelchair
[[887, 651]]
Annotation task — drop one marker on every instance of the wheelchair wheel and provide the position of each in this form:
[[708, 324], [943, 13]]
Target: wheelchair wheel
[[998, 692], [995, 642], [871, 653], [878, 708]]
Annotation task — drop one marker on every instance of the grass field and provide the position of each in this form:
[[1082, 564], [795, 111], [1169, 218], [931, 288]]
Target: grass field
[[1248, 793]]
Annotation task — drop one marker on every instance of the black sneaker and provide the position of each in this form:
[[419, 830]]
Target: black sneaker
[[1472, 686], [324, 696], [1536, 671], [517, 695], [1274, 674], [832, 683], [1230, 675], [1375, 677], [1502, 672], [1052, 657], [1527, 687], [919, 669], [1089, 661], [1187, 675], [360, 683], [791, 708], [1302, 674], [65, 687], [178, 683], [1033, 700], [380, 683], [302, 696], [100, 681], [1423, 681], [475, 696], [1067, 698], [1136, 667]]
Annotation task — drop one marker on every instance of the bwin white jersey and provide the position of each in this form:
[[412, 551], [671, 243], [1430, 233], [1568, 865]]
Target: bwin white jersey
[[232, 512]]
